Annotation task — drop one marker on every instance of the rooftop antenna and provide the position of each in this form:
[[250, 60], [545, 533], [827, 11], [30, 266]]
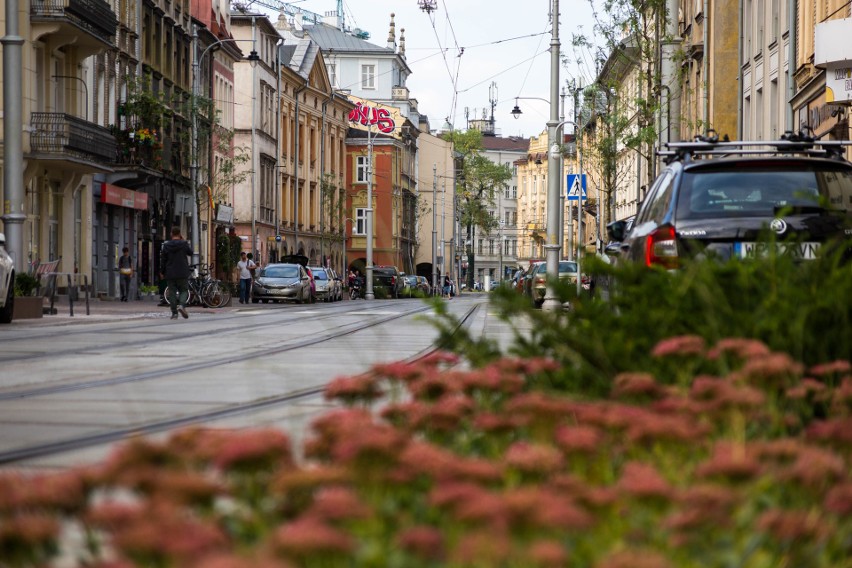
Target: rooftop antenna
[[492, 98], [428, 6]]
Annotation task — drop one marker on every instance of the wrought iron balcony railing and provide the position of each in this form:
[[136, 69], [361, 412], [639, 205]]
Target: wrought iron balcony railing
[[65, 135], [95, 16]]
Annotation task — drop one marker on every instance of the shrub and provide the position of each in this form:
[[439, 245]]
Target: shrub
[[25, 284]]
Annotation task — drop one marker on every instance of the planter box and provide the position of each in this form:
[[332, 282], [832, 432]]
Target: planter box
[[28, 307]]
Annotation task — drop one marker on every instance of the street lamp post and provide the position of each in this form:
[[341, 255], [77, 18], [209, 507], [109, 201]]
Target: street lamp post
[[196, 88], [368, 295], [553, 175]]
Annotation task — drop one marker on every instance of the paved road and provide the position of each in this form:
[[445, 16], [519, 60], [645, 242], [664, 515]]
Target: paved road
[[127, 366]]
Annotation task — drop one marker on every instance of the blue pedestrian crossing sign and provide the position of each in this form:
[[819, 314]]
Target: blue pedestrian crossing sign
[[576, 186]]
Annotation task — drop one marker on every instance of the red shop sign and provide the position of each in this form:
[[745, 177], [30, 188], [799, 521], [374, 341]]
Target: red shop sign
[[123, 197]]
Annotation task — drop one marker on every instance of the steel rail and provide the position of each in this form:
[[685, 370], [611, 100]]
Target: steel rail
[[207, 363], [154, 427]]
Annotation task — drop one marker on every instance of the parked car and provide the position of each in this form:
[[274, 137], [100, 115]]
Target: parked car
[[387, 281], [7, 283], [703, 206], [423, 284], [538, 279], [327, 289], [414, 286], [280, 282]]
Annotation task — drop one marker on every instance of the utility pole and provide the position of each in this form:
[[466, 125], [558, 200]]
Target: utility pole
[[13, 154], [434, 228], [552, 247], [443, 221], [368, 295], [254, 164]]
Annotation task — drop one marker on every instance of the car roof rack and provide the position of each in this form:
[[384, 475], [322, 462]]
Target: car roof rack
[[790, 143]]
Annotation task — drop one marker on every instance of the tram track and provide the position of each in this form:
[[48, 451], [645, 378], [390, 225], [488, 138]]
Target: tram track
[[46, 449], [290, 345], [138, 330]]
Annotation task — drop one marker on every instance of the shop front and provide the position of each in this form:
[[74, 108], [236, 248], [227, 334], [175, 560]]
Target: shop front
[[116, 224]]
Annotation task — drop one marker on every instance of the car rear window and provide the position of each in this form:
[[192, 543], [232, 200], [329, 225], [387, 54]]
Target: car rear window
[[759, 192], [319, 274]]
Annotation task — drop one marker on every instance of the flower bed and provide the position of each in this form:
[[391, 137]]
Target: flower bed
[[748, 464]]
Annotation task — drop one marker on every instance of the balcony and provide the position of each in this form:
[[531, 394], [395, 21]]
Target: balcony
[[399, 93], [95, 17], [60, 136]]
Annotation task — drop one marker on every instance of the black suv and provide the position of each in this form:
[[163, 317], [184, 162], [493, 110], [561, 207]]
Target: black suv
[[722, 199], [387, 281]]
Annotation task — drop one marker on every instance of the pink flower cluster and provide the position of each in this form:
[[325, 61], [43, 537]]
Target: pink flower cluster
[[479, 468]]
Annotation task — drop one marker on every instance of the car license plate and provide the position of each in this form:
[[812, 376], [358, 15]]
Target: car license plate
[[806, 251]]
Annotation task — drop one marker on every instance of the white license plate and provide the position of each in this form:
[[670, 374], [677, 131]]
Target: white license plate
[[806, 251]]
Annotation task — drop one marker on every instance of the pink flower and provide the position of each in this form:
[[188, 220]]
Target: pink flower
[[636, 385], [834, 368], [815, 468], [702, 506], [254, 449], [807, 389], [837, 431], [445, 414], [372, 446], [720, 394], [308, 536], [548, 553], [336, 504], [501, 423], [839, 500], [738, 347], [773, 370], [540, 508], [579, 439], [28, 531], [434, 386], [634, 558], [422, 458], [494, 378], [165, 532], [534, 458], [306, 480], [425, 542], [644, 481], [352, 390], [400, 371], [683, 345], [731, 462]]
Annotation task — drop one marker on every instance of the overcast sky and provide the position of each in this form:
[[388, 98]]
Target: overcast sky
[[505, 42]]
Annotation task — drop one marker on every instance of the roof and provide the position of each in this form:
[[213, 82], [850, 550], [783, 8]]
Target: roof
[[304, 56], [330, 38], [512, 143]]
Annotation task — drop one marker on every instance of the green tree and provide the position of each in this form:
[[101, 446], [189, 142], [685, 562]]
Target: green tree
[[478, 183]]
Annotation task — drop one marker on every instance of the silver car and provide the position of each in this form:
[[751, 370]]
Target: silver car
[[326, 283], [281, 282]]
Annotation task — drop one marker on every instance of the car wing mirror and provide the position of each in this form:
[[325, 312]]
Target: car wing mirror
[[615, 230]]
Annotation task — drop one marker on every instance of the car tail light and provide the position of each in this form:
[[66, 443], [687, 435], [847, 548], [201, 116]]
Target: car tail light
[[661, 248]]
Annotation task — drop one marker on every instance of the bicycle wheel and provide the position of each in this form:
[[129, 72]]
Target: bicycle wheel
[[214, 295]]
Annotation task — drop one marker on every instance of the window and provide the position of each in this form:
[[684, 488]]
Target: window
[[514, 192], [332, 74], [480, 245], [360, 227], [368, 76], [507, 247], [361, 169], [491, 246]]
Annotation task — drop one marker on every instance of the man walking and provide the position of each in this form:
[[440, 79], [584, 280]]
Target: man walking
[[246, 267], [174, 267]]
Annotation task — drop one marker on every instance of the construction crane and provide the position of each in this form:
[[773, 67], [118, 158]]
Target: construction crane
[[308, 17]]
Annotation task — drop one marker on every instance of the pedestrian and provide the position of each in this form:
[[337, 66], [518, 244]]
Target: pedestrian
[[245, 267], [447, 287], [125, 272], [174, 267]]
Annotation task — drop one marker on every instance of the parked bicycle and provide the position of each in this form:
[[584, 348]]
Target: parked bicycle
[[204, 290]]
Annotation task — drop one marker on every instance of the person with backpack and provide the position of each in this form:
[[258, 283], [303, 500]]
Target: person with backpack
[[174, 267]]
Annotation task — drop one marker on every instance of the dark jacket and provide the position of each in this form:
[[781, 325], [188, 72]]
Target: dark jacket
[[173, 259]]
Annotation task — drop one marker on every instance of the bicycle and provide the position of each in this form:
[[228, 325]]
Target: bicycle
[[204, 290]]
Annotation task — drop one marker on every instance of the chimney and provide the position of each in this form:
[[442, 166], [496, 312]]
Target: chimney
[[392, 34]]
